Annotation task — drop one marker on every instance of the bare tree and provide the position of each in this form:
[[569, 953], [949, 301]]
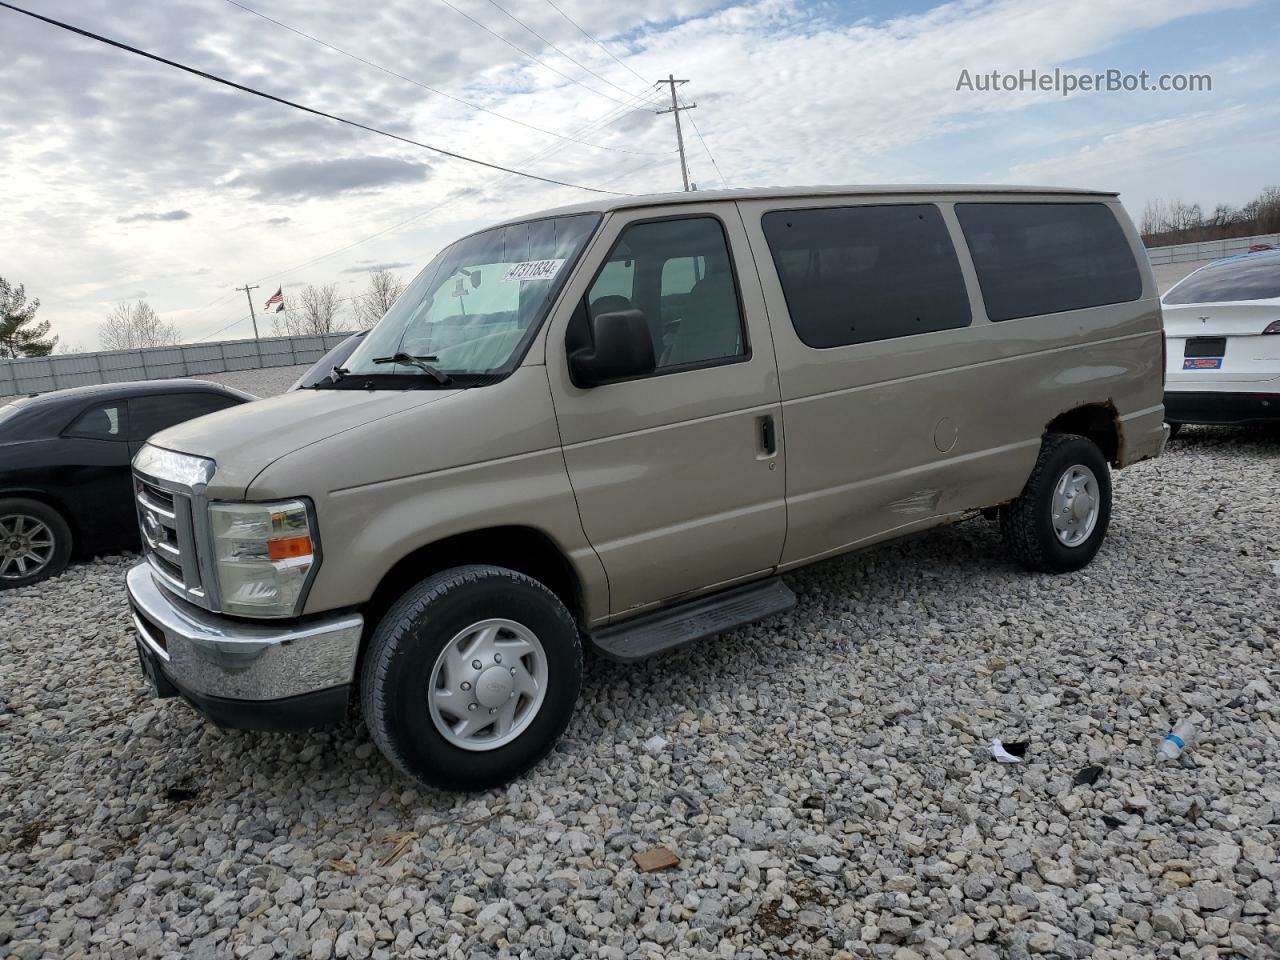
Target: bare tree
[[1155, 219], [132, 325], [1223, 216], [1168, 222], [1184, 216], [384, 287], [1263, 212], [314, 311]]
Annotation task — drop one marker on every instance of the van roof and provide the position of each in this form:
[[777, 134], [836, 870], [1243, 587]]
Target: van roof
[[603, 204]]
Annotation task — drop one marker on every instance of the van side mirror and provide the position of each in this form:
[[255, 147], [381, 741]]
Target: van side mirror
[[622, 347]]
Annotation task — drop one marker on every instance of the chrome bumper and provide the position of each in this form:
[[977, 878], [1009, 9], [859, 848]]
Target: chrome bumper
[[214, 656]]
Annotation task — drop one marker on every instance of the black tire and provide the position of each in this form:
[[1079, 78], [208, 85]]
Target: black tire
[[403, 652], [1027, 522], [15, 514], [1174, 429]]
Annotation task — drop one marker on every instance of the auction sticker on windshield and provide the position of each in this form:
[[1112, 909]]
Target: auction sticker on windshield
[[532, 270]]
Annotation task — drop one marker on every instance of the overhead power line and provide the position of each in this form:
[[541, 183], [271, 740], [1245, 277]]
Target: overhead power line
[[710, 155], [620, 111], [426, 86], [297, 106], [511, 16], [595, 126], [354, 296], [221, 329], [542, 63], [325, 256], [644, 166], [596, 42], [437, 206], [607, 119]]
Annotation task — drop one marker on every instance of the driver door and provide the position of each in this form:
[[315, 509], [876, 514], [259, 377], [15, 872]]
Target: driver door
[[678, 474]]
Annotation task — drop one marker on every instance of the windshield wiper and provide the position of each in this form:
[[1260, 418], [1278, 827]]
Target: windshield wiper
[[423, 363]]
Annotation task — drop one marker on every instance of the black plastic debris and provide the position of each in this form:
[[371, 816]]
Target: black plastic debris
[[1112, 822], [1087, 776], [690, 803], [1018, 748], [813, 803], [180, 794]]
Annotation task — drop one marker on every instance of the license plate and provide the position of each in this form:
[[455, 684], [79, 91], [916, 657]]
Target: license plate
[[1202, 363]]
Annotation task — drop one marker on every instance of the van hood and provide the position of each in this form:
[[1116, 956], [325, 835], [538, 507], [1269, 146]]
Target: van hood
[[244, 440]]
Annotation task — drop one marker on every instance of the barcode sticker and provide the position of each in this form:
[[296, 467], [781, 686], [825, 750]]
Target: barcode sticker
[[532, 270]]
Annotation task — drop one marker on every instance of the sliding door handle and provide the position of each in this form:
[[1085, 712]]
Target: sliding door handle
[[768, 435]]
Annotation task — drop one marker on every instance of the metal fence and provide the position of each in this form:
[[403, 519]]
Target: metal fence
[[41, 374], [1208, 249]]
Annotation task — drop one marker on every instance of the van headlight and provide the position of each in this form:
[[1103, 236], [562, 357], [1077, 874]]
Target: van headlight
[[264, 554]]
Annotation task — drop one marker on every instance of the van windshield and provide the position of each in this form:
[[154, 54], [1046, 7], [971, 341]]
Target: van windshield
[[472, 310]]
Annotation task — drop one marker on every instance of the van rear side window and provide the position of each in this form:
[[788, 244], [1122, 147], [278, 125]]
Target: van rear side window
[[860, 274], [1037, 258]]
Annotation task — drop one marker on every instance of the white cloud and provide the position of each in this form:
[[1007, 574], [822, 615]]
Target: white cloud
[[787, 93], [154, 216]]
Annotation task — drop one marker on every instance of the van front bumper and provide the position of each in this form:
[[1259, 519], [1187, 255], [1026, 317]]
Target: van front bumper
[[249, 675]]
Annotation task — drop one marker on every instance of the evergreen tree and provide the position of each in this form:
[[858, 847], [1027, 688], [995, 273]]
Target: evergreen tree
[[20, 334]]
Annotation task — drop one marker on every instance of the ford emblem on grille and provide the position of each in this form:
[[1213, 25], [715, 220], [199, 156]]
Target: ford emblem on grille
[[151, 527]]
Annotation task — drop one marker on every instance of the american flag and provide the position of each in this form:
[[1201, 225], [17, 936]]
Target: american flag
[[275, 300]]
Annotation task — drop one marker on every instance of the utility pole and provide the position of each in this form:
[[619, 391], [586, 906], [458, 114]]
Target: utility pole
[[252, 316], [675, 111]]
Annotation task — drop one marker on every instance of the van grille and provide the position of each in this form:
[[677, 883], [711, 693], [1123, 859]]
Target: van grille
[[168, 538]]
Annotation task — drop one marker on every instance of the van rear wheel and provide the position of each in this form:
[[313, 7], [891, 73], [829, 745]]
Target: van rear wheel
[[1058, 522], [471, 677]]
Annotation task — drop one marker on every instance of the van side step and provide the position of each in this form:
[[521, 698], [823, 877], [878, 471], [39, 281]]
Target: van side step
[[655, 633]]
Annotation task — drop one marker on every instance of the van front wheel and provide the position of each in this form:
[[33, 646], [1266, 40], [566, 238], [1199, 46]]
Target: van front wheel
[[1057, 523], [471, 677]]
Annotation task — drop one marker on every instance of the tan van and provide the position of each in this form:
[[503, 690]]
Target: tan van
[[614, 425]]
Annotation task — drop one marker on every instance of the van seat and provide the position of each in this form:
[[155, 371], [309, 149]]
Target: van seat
[[710, 328]]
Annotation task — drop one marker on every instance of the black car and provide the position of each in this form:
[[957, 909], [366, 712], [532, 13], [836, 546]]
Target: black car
[[65, 486]]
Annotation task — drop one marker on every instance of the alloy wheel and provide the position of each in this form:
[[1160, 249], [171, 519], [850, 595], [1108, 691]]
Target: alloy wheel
[[26, 546]]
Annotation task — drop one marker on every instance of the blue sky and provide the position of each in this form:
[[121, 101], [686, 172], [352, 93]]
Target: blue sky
[[126, 179]]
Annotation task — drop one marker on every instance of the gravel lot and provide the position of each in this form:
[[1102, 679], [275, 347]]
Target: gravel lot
[[824, 777], [261, 383]]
